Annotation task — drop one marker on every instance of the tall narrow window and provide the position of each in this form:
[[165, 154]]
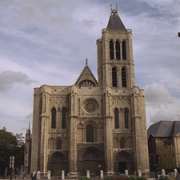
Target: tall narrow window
[[126, 117], [114, 77], [58, 143], [118, 52], [111, 49], [122, 142], [53, 118], [89, 133], [124, 50], [124, 77], [64, 117], [51, 143], [116, 118]]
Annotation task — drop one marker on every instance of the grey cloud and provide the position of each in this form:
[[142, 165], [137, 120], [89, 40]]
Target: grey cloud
[[157, 94], [135, 7], [49, 40], [161, 104], [9, 78]]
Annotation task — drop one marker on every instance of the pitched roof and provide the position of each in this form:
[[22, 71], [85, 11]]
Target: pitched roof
[[164, 129], [86, 75], [115, 22], [176, 128]]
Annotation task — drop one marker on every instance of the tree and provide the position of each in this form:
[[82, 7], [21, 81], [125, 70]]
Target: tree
[[10, 145]]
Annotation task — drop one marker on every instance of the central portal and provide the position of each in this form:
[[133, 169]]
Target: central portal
[[91, 159], [122, 166]]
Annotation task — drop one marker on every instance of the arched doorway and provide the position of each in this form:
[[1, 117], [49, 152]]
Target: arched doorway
[[57, 162], [124, 162], [92, 159]]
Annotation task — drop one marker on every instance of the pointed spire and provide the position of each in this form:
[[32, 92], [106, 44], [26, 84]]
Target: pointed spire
[[115, 22], [28, 131], [29, 125], [86, 62], [111, 7]]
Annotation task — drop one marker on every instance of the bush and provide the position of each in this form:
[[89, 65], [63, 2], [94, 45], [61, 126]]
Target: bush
[[136, 178], [132, 178], [107, 178], [163, 178], [140, 178], [83, 178]]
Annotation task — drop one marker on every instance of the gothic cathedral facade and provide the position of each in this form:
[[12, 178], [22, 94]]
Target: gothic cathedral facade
[[94, 124]]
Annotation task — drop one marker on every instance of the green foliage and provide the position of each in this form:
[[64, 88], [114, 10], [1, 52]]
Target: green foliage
[[163, 178], [132, 178], [8, 147], [83, 178], [107, 178], [136, 178], [7, 138]]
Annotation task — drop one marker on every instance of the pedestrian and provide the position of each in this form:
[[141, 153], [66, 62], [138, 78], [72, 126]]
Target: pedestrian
[[178, 174], [33, 175]]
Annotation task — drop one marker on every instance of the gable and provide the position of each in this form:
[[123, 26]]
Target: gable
[[164, 129], [86, 78]]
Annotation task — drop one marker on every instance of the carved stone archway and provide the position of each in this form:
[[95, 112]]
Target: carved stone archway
[[91, 159], [57, 162], [124, 161]]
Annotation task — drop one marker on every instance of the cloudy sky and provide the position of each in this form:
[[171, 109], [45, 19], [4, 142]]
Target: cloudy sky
[[46, 42]]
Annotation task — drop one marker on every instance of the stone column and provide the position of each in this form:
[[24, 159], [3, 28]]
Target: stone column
[[35, 147], [140, 132], [44, 144], [72, 136], [73, 148], [44, 133], [121, 50], [108, 136], [131, 79]]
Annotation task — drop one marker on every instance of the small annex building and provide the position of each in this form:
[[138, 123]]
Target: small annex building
[[164, 145]]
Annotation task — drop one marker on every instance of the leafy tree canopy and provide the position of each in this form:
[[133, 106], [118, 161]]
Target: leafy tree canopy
[[10, 145]]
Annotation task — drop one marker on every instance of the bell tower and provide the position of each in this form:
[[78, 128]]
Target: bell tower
[[122, 101], [115, 55]]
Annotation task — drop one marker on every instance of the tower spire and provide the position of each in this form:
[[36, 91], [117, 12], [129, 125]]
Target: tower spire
[[86, 62], [29, 125], [115, 22], [111, 7]]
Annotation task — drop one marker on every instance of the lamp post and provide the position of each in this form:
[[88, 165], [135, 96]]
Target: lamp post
[[11, 165]]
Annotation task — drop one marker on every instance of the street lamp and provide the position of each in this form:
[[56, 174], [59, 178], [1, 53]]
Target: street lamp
[[11, 165]]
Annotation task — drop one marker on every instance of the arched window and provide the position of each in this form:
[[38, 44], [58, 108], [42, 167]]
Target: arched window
[[58, 143], [53, 118], [64, 117], [114, 77], [122, 142], [124, 50], [116, 118], [124, 77], [126, 118], [89, 133], [51, 143], [118, 52], [111, 49]]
